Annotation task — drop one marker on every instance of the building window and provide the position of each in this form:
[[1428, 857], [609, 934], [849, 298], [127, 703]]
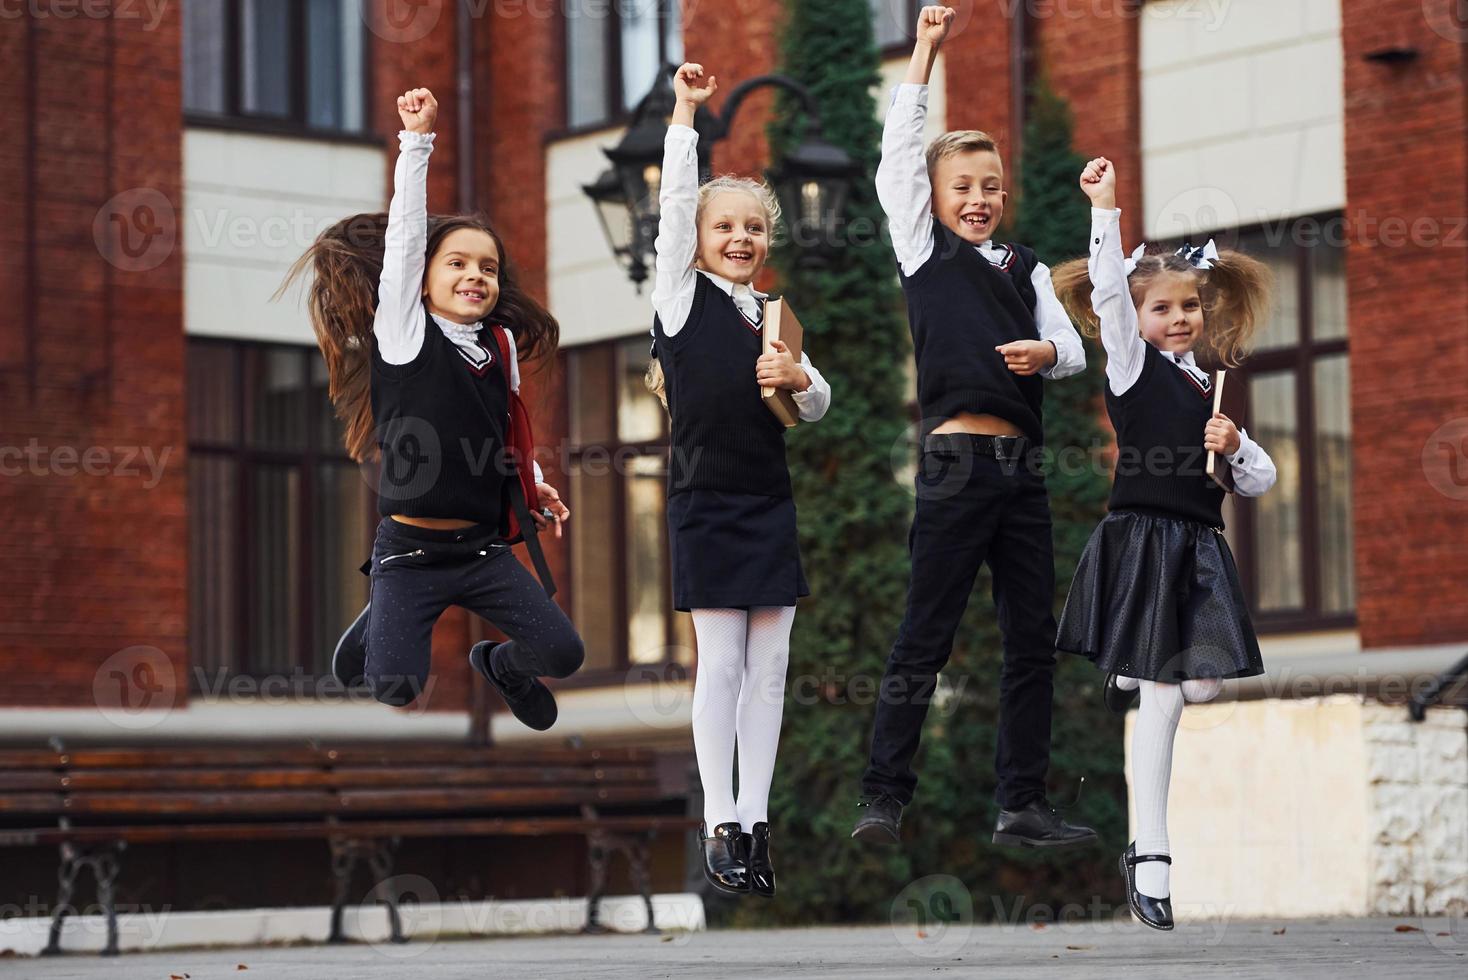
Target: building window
[[621, 599], [276, 65], [280, 518], [1294, 543], [892, 23], [613, 53]]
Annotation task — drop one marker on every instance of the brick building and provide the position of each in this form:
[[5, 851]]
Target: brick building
[[175, 482]]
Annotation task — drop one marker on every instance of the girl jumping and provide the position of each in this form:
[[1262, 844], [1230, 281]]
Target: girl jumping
[[731, 516], [1156, 600], [421, 323]]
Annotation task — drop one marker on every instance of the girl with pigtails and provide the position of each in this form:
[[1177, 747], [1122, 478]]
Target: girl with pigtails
[[1156, 601]]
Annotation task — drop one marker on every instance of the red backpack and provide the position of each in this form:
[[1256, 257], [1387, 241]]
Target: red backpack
[[517, 524]]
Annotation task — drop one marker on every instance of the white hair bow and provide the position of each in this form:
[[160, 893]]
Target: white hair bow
[[1202, 257], [1130, 263]]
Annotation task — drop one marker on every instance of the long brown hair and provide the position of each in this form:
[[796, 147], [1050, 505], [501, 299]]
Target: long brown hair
[[1234, 291], [346, 260]]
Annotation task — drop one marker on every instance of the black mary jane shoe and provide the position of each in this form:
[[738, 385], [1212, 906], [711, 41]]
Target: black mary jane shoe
[[1037, 824], [726, 858], [761, 871], [1155, 913], [1117, 699]]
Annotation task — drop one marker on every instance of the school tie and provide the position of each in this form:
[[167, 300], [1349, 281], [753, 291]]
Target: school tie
[[747, 304]]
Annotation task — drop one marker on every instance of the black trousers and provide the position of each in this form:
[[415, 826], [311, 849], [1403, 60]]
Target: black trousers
[[417, 573], [973, 508]]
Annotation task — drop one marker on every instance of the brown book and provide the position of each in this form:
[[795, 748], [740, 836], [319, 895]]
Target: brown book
[[1220, 470], [781, 324]]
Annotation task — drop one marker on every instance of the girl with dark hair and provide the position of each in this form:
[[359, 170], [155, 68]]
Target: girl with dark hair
[[421, 323]]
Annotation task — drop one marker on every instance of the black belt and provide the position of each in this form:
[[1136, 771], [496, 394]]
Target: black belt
[[998, 447]]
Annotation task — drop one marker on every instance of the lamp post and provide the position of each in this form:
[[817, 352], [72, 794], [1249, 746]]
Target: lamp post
[[811, 181]]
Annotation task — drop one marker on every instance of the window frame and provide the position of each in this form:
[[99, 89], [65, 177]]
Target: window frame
[[622, 664], [902, 47], [248, 459], [614, 114], [235, 118], [1298, 360]]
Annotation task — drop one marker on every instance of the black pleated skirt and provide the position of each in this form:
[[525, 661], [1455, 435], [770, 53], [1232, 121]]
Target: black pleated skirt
[[1158, 598], [733, 551]]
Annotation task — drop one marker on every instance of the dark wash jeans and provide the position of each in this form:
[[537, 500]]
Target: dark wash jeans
[[973, 508]]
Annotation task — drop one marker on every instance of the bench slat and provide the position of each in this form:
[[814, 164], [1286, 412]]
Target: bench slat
[[360, 755], [462, 827], [91, 780]]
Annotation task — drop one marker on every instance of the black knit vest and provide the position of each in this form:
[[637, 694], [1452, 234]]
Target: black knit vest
[[1160, 461], [960, 306], [441, 428], [723, 437]]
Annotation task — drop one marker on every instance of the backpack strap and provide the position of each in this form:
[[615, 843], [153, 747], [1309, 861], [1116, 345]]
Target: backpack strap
[[520, 441]]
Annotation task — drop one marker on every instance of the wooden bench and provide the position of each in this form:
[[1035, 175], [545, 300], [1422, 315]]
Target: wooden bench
[[361, 799]]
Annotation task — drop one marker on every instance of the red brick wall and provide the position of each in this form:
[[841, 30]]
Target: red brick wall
[[1406, 158], [1089, 54], [976, 66], [92, 355]]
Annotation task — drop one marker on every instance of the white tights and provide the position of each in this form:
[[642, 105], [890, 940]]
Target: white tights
[[739, 694], [1152, 738]]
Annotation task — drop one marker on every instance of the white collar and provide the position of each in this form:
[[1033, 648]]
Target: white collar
[[732, 288], [1186, 359], [459, 333]]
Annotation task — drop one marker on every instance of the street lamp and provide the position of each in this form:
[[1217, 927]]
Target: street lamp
[[811, 181]]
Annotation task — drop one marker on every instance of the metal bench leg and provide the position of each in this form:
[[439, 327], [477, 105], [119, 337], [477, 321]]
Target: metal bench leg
[[105, 868], [343, 860], [102, 862], [65, 886], [379, 858], [598, 858], [639, 857]]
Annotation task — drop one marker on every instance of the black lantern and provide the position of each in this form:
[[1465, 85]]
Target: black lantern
[[811, 181]]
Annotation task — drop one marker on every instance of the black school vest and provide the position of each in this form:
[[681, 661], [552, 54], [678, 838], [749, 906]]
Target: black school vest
[[441, 427], [723, 437], [1159, 440], [960, 306]]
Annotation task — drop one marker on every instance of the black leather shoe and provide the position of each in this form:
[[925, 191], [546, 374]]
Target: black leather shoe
[[349, 659], [1154, 912], [881, 823], [1117, 700], [529, 700], [726, 858], [1036, 824], [761, 871]]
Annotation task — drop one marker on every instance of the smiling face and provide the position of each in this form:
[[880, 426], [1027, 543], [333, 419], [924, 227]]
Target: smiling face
[[733, 235], [968, 193], [462, 282], [1170, 312]]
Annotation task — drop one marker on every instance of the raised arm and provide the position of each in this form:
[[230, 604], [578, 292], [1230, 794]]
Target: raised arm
[[1110, 296], [677, 242], [399, 322], [903, 188]]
